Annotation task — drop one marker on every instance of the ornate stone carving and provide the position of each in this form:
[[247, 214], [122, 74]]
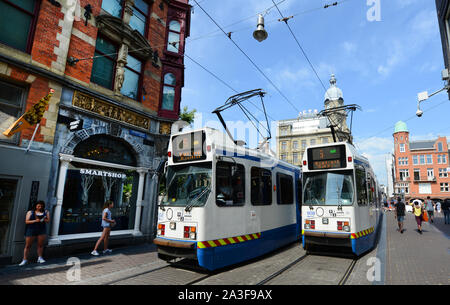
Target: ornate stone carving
[[164, 128], [119, 31], [108, 110]]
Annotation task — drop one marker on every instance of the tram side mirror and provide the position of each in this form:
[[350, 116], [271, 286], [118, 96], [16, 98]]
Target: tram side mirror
[[234, 170], [220, 199]]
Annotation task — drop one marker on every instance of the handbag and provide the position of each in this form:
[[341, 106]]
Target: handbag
[[425, 216]]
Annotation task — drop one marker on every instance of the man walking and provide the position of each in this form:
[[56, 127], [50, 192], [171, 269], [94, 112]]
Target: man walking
[[429, 206], [400, 213], [446, 209]]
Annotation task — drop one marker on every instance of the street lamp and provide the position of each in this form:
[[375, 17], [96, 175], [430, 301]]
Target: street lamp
[[260, 33], [423, 96]]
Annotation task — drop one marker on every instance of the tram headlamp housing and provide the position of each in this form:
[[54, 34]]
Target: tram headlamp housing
[[173, 225], [325, 221]]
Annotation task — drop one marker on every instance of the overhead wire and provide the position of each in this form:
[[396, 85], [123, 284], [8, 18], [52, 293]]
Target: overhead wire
[[248, 57], [285, 20]]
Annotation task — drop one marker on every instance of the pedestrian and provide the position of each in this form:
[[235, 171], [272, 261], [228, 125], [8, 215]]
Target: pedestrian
[[438, 207], [418, 211], [107, 224], [35, 228], [446, 210], [429, 207], [400, 214]]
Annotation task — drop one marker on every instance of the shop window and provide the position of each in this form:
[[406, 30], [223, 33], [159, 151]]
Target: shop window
[[174, 37], [17, 21], [261, 186], [169, 92], [132, 77], [285, 189], [85, 192], [88, 186], [104, 64], [8, 188], [11, 107], [230, 187]]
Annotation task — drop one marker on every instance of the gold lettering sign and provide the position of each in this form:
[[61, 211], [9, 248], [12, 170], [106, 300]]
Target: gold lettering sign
[[105, 109]]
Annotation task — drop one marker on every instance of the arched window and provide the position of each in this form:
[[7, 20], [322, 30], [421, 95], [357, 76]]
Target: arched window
[[170, 83], [107, 149], [173, 41]]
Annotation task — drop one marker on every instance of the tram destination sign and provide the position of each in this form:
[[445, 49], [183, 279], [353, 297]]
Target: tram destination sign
[[188, 147], [327, 157]]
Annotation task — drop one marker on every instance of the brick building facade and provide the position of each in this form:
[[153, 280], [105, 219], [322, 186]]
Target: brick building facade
[[421, 167], [117, 68]]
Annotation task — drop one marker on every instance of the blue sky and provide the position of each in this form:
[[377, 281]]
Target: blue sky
[[379, 65]]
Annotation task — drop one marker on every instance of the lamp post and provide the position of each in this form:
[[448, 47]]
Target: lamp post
[[423, 96]]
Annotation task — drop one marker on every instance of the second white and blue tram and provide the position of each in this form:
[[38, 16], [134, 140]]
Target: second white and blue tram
[[341, 199], [225, 203]]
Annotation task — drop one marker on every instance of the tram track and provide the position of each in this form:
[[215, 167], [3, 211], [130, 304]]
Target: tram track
[[307, 260], [306, 269], [274, 275], [347, 273]]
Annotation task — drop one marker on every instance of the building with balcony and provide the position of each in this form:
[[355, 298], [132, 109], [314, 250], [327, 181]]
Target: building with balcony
[[421, 167], [117, 68]]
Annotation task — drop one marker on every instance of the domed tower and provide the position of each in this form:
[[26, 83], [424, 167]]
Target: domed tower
[[402, 158], [333, 99], [401, 138]]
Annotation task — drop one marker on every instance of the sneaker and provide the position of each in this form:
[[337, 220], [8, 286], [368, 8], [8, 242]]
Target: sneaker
[[23, 263], [401, 231], [95, 253], [40, 260], [420, 231], [107, 251]]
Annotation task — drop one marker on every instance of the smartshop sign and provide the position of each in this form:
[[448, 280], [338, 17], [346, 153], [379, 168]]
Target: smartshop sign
[[93, 172]]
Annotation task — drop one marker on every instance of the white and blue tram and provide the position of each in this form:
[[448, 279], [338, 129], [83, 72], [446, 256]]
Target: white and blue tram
[[225, 203], [341, 199]]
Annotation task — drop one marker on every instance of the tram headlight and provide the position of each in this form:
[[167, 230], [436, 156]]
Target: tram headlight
[[173, 225]]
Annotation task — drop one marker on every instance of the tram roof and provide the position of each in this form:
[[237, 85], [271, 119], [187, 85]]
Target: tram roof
[[223, 141], [350, 146]]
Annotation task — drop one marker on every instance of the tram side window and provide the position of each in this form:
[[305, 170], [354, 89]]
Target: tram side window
[[285, 189], [261, 186], [230, 184], [299, 191], [361, 186]]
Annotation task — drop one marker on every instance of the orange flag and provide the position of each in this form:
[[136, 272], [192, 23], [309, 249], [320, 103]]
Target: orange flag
[[31, 117]]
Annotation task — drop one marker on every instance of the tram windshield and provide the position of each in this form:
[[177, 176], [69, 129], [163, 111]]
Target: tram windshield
[[188, 184], [329, 188]]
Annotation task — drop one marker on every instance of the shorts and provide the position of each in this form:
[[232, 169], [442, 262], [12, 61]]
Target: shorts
[[400, 218], [430, 213], [35, 231], [419, 220]]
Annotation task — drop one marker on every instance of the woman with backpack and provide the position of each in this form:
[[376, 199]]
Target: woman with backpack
[[418, 211], [400, 213]]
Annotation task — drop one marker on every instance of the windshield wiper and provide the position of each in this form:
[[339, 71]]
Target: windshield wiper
[[192, 201]]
